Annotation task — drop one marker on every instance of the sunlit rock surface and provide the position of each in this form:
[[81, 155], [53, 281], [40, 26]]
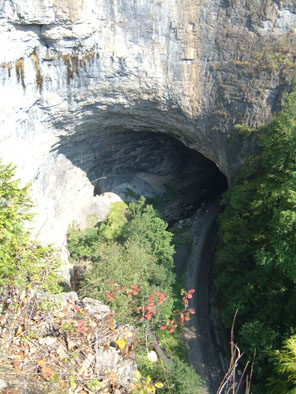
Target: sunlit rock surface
[[75, 73]]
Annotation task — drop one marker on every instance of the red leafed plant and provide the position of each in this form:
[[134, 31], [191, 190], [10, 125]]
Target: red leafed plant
[[150, 308]]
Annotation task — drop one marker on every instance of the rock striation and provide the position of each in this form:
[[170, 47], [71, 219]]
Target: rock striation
[[75, 73]]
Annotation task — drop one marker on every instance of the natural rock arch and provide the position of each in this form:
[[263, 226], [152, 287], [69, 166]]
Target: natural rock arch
[[75, 70]]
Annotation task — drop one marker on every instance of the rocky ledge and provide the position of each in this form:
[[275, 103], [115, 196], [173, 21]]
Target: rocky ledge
[[53, 344]]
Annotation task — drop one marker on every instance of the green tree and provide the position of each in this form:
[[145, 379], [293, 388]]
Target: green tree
[[256, 267], [23, 261], [284, 381], [131, 247]]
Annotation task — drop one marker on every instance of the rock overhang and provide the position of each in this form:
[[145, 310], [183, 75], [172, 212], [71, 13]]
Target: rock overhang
[[72, 72]]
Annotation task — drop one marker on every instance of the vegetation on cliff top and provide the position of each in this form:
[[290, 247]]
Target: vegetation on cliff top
[[256, 267]]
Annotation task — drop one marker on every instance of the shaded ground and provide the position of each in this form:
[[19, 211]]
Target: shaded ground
[[202, 333]]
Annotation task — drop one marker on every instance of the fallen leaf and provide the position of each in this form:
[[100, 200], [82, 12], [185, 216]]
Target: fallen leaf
[[62, 352], [19, 331], [47, 372], [121, 343]]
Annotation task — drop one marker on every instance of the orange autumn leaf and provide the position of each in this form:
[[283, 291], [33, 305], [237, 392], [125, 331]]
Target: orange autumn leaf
[[47, 372], [19, 331]]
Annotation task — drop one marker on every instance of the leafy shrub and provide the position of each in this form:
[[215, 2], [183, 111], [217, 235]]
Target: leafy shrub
[[22, 260], [132, 247], [177, 377]]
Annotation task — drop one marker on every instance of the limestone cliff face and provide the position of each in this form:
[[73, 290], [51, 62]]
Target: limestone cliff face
[[75, 71]]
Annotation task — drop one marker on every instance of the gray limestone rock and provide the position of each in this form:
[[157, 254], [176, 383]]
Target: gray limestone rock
[[76, 74], [95, 308]]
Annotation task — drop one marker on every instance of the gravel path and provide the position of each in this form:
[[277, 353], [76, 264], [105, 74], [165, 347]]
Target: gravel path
[[206, 353]]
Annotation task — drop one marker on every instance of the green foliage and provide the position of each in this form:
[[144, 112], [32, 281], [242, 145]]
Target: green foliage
[[150, 231], [132, 247], [93, 385], [82, 244], [22, 260], [284, 361], [117, 217], [256, 270], [132, 250], [243, 129], [177, 377], [182, 378]]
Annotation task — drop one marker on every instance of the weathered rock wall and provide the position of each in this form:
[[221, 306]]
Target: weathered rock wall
[[74, 70]]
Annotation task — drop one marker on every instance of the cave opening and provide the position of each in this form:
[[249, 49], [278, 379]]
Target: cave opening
[[176, 179]]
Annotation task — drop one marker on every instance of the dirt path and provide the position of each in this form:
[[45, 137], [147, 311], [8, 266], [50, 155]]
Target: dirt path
[[206, 354]]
